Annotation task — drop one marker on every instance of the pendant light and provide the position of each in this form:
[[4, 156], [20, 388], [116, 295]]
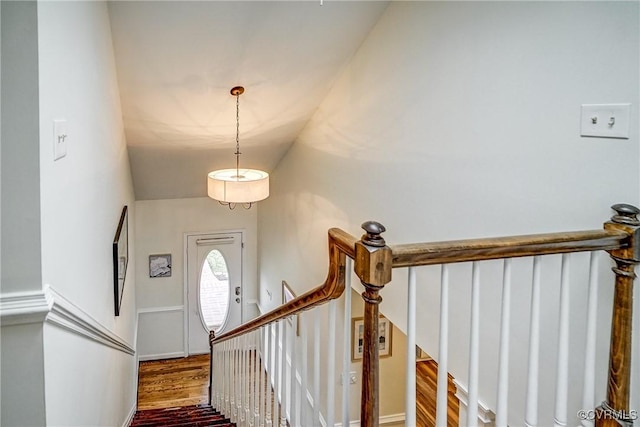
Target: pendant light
[[236, 186]]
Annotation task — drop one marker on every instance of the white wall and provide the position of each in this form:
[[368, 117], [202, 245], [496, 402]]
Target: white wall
[[160, 229], [21, 401], [20, 175], [82, 196], [460, 120]]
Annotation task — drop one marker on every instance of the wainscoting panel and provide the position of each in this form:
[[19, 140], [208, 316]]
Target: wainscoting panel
[[160, 333]]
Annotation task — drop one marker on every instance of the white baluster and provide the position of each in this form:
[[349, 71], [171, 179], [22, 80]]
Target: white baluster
[[226, 370], [589, 392], [240, 355], [443, 354], [247, 378], [316, 368], [474, 346], [220, 402], [233, 382], [269, 357], [503, 361], [303, 372], [240, 401], [284, 381], [213, 375], [229, 376], [238, 382], [562, 376], [294, 402], [219, 381], [346, 346], [257, 367], [277, 376], [253, 374], [410, 399], [331, 363], [531, 408]]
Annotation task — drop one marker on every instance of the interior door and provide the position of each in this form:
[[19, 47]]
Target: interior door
[[214, 286]]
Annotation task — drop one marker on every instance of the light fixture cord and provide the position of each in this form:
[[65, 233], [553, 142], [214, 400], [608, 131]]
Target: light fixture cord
[[238, 136]]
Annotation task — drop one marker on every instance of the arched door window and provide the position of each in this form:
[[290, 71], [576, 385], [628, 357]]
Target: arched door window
[[214, 291]]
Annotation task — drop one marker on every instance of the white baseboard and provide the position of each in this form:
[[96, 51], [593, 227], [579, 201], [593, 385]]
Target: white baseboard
[[385, 419], [486, 416], [129, 419], [160, 309], [159, 356]]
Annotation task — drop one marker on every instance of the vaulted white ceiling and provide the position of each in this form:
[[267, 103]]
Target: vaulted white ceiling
[[177, 61]]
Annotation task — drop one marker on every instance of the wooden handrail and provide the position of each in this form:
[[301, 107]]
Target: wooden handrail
[[416, 254], [374, 261], [341, 244]]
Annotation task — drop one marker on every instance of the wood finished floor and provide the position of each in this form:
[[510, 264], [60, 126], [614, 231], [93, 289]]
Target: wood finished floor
[[173, 382], [184, 381]]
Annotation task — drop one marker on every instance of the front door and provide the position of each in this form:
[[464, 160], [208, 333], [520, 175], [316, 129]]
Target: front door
[[214, 288]]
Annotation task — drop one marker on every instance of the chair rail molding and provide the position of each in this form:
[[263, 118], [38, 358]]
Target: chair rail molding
[[48, 305], [18, 308]]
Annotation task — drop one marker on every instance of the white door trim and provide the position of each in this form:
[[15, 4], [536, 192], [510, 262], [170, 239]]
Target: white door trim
[[185, 277]]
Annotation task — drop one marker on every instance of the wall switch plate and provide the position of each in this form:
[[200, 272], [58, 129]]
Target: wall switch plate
[[605, 120], [352, 378], [60, 137]]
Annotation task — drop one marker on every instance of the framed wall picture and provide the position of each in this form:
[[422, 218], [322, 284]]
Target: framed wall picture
[[288, 295], [385, 339], [120, 251], [160, 265]]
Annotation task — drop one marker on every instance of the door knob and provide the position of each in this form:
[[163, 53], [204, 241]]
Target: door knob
[[238, 300], [237, 290]]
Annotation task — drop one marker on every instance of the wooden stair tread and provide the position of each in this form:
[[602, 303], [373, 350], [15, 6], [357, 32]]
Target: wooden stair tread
[[426, 389], [183, 416]]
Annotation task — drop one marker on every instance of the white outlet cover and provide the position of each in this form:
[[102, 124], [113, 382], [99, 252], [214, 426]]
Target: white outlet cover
[[60, 137], [605, 120]]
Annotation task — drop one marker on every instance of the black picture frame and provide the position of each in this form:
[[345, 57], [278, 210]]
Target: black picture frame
[[120, 253]]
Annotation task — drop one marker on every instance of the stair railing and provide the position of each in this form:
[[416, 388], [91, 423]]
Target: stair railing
[[236, 370], [250, 386], [620, 237]]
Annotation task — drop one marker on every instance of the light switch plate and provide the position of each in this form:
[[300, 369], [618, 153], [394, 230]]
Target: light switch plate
[[605, 120], [60, 137], [352, 378]]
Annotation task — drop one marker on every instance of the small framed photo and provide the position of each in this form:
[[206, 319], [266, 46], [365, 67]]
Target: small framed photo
[[288, 295], [385, 337], [160, 265]]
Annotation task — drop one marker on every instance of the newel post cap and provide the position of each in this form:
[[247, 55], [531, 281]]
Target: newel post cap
[[626, 214], [626, 220], [373, 261], [373, 237]]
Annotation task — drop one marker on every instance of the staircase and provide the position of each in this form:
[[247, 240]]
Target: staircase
[[183, 416]]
